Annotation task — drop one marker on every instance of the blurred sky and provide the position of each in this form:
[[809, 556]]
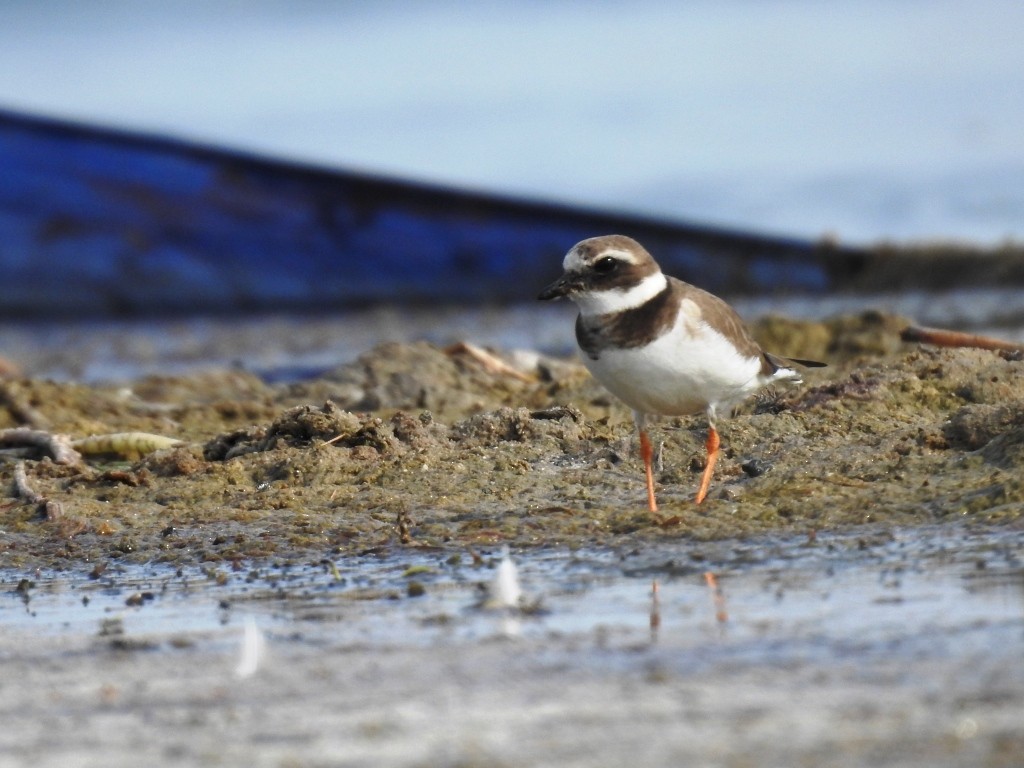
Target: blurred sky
[[899, 119]]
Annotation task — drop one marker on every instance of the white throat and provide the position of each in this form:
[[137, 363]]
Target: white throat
[[619, 299]]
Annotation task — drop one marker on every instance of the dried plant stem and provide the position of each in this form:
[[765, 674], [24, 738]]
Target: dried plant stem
[[57, 447], [52, 509], [489, 361], [943, 338], [22, 487]]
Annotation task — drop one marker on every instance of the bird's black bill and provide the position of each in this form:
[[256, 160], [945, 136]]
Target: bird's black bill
[[556, 290]]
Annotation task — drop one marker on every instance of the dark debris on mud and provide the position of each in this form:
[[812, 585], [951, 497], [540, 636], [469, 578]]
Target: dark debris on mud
[[430, 447]]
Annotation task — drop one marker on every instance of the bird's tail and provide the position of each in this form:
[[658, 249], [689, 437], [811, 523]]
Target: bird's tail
[[783, 370]]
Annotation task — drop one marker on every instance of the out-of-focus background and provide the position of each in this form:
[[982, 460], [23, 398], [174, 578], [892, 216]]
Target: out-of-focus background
[[851, 122], [861, 119]]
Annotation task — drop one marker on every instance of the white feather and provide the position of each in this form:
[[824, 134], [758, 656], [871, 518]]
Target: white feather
[[619, 299], [252, 649], [505, 591], [690, 369]]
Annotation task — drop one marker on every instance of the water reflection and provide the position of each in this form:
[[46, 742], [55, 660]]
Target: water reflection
[[926, 590]]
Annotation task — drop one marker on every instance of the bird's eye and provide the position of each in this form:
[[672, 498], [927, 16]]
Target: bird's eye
[[605, 265]]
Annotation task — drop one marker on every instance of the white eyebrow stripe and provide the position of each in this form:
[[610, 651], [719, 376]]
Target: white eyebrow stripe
[[573, 262], [628, 256]]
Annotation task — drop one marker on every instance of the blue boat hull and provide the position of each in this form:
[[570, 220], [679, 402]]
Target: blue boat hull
[[103, 222]]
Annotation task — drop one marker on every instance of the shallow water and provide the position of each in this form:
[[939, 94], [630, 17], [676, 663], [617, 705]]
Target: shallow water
[[291, 346], [909, 641], [838, 585]]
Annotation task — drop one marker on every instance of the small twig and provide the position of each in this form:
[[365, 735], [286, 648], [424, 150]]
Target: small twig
[[52, 509], [58, 447], [489, 361], [943, 338], [22, 488]]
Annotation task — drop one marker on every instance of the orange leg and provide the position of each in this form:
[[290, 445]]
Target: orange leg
[[647, 454], [709, 468]]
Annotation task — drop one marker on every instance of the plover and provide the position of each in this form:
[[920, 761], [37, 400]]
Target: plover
[[662, 346]]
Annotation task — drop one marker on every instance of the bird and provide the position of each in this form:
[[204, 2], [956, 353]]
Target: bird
[[662, 346]]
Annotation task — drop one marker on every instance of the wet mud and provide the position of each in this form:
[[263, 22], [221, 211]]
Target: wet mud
[[412, 445]]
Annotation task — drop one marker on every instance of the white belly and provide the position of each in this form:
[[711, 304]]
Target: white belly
[[682, 372]]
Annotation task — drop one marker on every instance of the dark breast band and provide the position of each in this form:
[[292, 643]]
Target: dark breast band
[[629, 328]]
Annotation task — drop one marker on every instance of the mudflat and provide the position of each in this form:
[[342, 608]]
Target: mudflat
[[865, 528], [416, 445]]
